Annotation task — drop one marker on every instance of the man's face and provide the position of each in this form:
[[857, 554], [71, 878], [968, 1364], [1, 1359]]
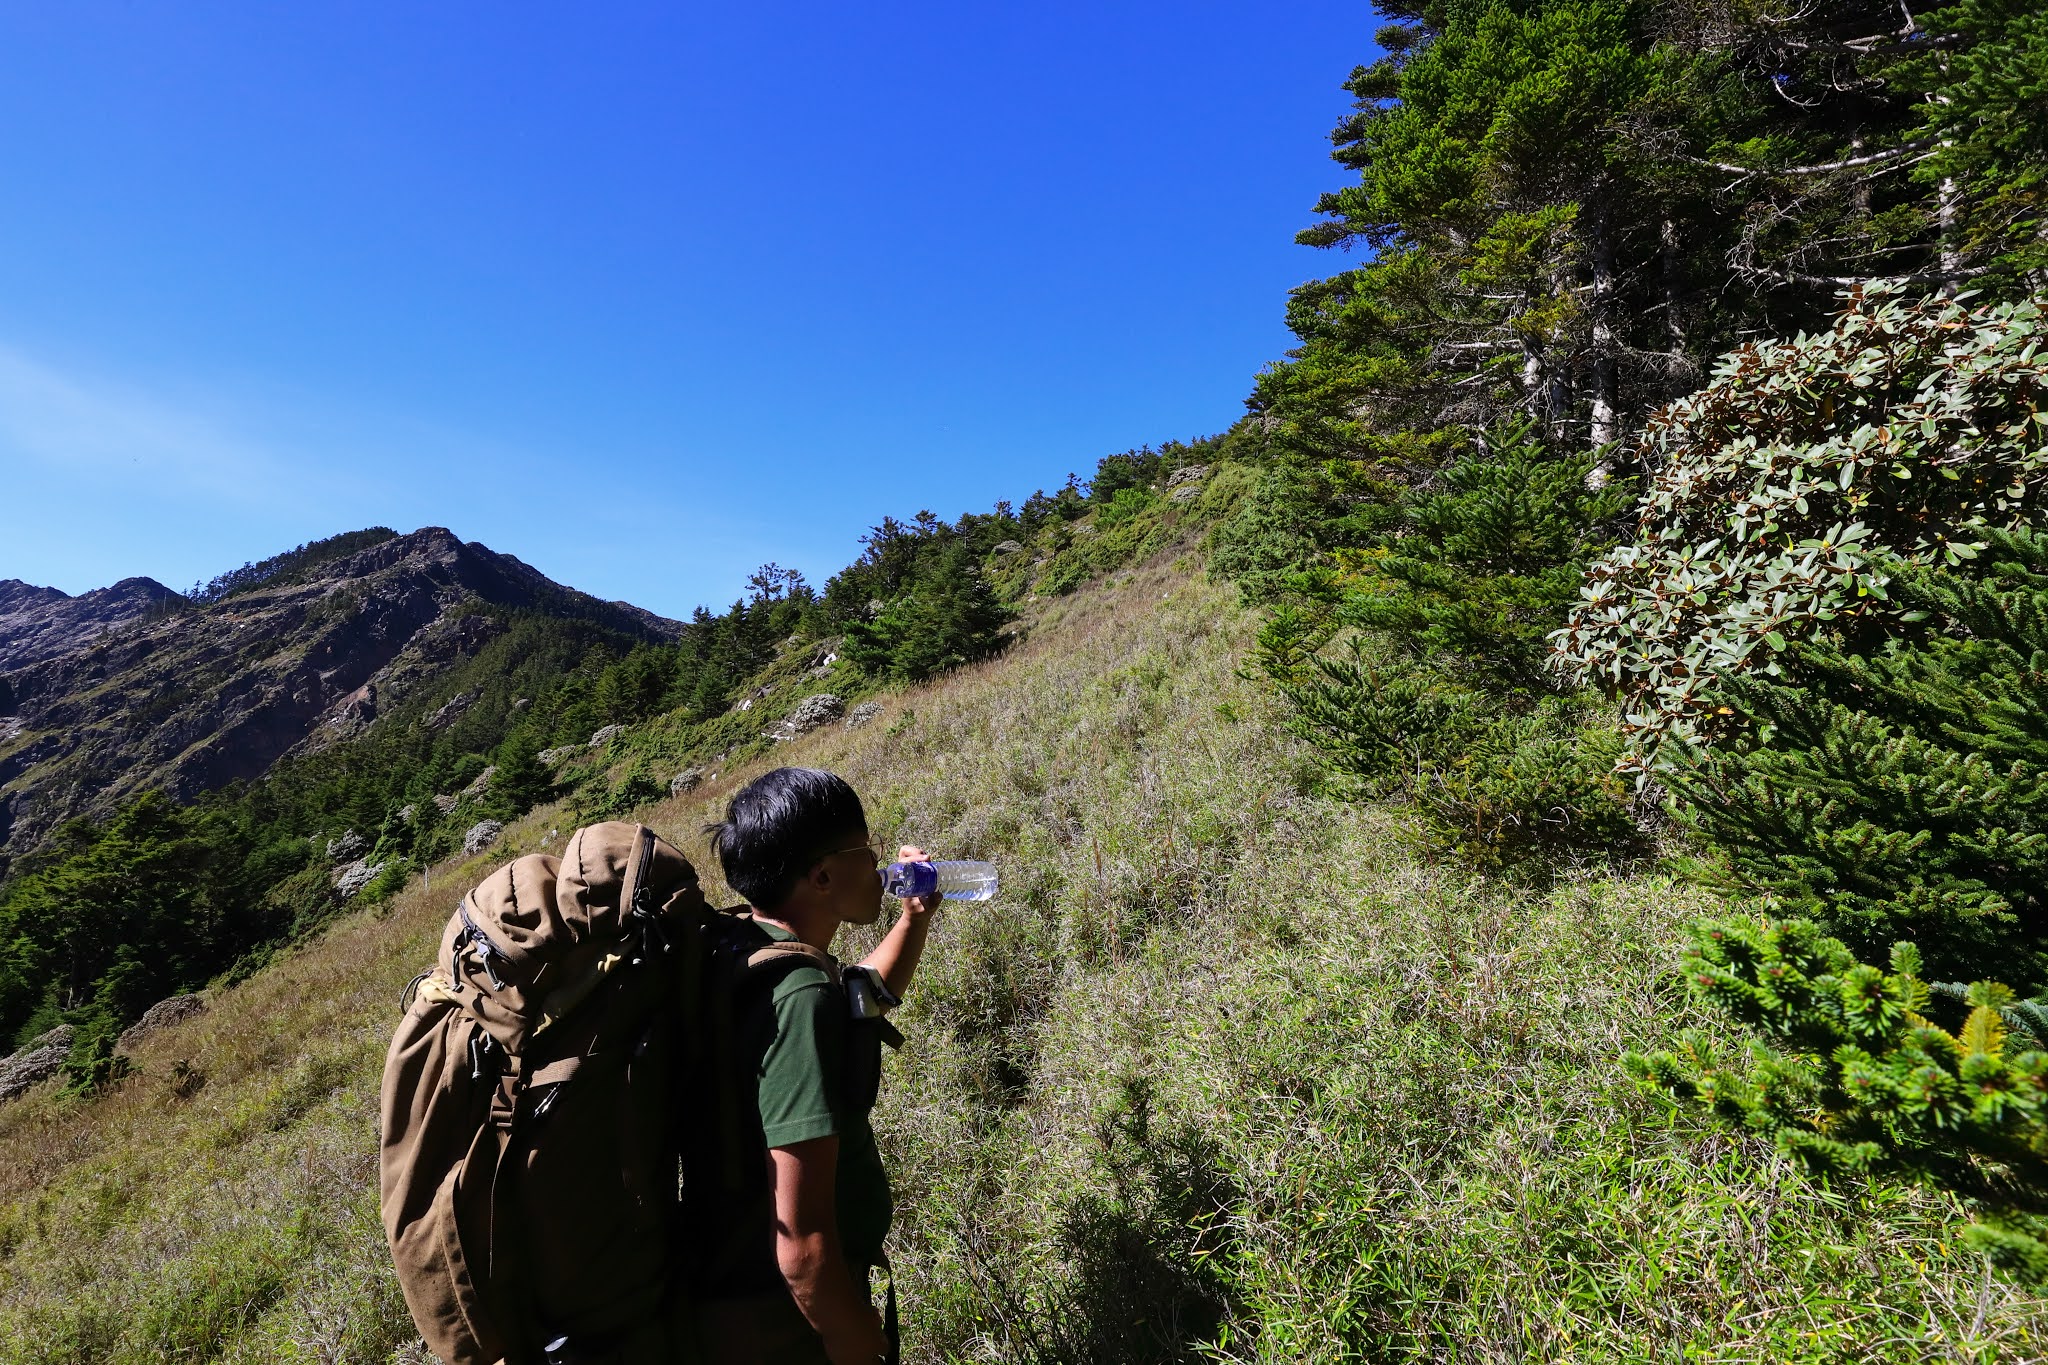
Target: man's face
[[856, 885]]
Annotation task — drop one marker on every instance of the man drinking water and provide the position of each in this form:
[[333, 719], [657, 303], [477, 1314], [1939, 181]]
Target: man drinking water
[[785, 1279]]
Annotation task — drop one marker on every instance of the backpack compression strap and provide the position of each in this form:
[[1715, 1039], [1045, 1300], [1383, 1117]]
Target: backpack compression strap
[[774, 952]]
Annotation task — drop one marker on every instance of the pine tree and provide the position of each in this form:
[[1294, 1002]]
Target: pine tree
[[1857, 1079], [948, 617], [1486, 560], [1438, 688], [1899, 788]]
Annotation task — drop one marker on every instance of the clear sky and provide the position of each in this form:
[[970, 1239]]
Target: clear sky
[[645, 294]]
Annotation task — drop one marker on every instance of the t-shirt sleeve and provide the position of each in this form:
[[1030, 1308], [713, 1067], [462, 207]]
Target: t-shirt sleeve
[[796, 1098]]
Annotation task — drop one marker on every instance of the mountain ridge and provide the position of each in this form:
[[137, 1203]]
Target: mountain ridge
[[38, 623], [135, 686]]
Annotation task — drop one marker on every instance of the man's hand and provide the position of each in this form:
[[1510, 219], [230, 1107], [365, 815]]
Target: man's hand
[[897, 954], [917, 905]]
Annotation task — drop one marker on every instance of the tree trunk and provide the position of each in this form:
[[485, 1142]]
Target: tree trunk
[[1606, 422]]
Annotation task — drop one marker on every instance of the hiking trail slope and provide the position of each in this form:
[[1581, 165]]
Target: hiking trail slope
[[1224, 1065]]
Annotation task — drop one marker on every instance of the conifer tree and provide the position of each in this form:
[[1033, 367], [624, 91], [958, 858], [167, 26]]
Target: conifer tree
[[1899, 788], [1854, 1077], [948, 617]]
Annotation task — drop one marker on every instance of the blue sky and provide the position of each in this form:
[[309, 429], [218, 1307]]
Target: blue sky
[[643, 294]]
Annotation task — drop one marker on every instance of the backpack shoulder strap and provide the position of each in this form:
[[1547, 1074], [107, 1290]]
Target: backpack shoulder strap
[[771, 954]]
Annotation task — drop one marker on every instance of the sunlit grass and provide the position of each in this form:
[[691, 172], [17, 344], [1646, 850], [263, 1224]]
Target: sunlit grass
[[1227, 1071]]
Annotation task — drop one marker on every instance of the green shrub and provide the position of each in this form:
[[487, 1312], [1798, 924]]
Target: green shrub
[[1901, 791], [1487, 560], [1418, 668], [1856, 1079], [1780, 490]]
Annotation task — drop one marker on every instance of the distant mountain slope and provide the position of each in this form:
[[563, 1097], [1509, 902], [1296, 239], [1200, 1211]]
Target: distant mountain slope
[[42, 623], [111, 694]]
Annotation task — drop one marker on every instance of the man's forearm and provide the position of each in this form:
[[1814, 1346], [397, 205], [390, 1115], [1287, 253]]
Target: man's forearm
[[897, 955], [823, 1287]]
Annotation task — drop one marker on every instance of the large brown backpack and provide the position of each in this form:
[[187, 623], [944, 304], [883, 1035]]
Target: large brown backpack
[[530, 1107]]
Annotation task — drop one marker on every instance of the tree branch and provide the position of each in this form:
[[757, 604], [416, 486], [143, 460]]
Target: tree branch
[[1846, 164]]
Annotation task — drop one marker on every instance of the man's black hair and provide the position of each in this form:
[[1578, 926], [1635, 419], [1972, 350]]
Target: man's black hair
[[778, 825]]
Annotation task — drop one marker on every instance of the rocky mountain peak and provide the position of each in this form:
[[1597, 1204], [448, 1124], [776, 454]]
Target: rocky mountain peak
[[133, 686], [39, 623]]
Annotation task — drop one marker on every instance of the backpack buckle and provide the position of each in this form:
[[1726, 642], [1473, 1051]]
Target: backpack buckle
[[484, 1057]]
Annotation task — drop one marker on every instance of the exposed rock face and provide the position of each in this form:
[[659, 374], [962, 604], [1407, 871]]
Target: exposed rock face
[[109, 694], [445, 803], [345, 845], [357, 875], [605, 735], [551, 757], [42, 623], [482, 783], [810, 713], [39, 1061], [1186, 482], [688, 780], [160, 1016], [481, 836], [862, 714], [1008, 547], [447, 711]]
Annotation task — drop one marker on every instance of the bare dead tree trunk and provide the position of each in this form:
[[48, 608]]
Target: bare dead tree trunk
[[1606, 423], [1668, 281], [1948, 198]]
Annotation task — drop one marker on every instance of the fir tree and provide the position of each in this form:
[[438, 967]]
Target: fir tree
[[1899, 787], [950, 616], [1857, 1079], [1485, 564]]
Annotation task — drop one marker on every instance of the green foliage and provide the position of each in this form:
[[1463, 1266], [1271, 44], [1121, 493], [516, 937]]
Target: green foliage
[[1486, 560], [946, 615], [141, 907], [92, 1064], [1987, 113], [1507, 792], [1905, 430], [1437, 690], [1900, 787], [290, 567], [1856, 1079]]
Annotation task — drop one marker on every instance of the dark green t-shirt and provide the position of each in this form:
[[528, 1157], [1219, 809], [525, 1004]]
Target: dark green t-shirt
[[803, 1061]]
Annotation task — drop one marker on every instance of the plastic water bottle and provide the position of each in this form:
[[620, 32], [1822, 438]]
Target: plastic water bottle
[[960, 880]]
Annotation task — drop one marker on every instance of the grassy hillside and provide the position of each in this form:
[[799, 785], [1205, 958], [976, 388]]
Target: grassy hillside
[[1228, 1071]]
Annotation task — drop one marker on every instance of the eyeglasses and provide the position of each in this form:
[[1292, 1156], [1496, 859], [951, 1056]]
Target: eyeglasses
[[873, 850]]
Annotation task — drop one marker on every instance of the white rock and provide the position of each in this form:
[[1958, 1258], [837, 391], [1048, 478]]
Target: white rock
[[482, 835], [39, 1060], [820, 709], [355, 877], [161, 1015]]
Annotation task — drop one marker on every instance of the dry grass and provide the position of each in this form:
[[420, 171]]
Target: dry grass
[[1226, 1072]]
